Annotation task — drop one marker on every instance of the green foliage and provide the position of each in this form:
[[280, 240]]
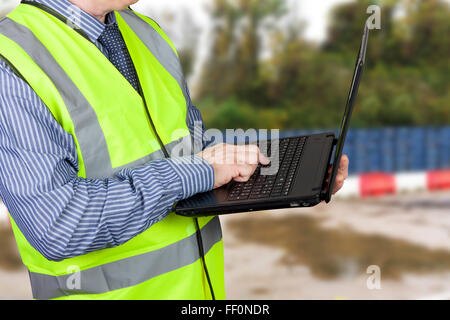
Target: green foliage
[[302, 85]]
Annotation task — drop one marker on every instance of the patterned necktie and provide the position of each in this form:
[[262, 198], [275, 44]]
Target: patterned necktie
[[112, 40]]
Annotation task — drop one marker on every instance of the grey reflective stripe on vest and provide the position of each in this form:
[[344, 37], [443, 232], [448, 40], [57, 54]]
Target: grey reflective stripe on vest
[[88, 131], [127, 272], [159, 47], [91, 138]]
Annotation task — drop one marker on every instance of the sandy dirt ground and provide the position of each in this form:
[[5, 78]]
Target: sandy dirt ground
[[407, 235], [324, 252]]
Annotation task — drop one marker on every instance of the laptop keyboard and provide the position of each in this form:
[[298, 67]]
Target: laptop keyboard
[[279, 184]]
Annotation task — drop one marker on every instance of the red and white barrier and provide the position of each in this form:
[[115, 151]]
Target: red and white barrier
[[366, 185], [378, 184]]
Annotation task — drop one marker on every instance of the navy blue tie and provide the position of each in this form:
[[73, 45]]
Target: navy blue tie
[[112, 40]]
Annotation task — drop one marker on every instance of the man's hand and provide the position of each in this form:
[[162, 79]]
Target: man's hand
[[232, 162], [342, 174], [238, 163]]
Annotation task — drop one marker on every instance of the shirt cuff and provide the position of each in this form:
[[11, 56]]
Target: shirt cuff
[[196, 174]]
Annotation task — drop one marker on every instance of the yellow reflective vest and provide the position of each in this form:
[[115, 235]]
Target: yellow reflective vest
[[114, 127]]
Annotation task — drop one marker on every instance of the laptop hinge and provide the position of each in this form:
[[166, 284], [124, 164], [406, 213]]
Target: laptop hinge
[[324, 195]]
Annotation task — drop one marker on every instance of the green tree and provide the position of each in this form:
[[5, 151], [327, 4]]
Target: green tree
[[304, 85], [233, 64]]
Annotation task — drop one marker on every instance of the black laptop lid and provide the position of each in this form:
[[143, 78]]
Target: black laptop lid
[[348, 110]]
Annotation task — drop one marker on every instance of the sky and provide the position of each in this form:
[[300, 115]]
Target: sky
[[313, 12]]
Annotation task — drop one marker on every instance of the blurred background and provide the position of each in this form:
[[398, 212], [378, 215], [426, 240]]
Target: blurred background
[[287, 64]]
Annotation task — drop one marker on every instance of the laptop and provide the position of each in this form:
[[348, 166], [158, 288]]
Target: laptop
[[302, 169]]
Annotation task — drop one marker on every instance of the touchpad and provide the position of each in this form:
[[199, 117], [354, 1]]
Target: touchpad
[[311, 170]]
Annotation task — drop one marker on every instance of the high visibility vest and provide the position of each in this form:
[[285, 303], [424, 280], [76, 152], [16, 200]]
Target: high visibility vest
[[112, 127]]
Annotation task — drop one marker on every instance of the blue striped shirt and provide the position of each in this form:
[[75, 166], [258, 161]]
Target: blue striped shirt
[[61, 214]]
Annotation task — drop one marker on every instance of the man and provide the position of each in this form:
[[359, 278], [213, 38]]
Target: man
[[92, 102]]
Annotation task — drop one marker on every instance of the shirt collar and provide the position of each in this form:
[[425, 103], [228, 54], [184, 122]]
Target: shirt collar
[[89, 24]]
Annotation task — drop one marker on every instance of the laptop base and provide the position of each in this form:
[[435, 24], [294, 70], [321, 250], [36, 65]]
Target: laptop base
[[308, 187]]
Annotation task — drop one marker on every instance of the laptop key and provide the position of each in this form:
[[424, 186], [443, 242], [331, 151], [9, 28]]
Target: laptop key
[[264, 186]]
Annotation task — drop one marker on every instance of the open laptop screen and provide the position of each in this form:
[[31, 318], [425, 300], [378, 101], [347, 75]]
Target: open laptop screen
[[349, 109]]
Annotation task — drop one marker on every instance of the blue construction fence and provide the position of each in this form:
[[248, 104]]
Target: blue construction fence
[[393, 149], [397, 149]]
